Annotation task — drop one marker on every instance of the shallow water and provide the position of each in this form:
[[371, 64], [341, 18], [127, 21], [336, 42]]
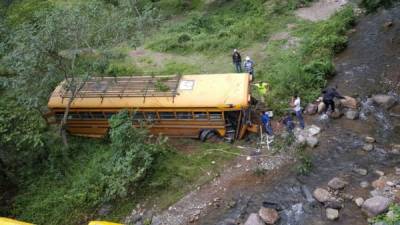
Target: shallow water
[[370, 65]]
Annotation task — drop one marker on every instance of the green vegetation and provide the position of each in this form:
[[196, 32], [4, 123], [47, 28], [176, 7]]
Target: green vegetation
[[390, 218], [373, 5]]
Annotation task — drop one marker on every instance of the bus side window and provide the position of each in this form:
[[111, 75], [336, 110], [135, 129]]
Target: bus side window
[[98, 115], [137, 116], [109, 114], [184, 115], [151, 116], [200, 116], [59, 116], [167, 115], [73, 116], [215, 116], [85, 116]]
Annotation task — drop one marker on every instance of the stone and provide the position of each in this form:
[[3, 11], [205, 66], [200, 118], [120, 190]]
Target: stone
[[347, 196], [361, 171], [334, 203], [314, 130], [268, 215], [368, 147], [379, 183], [352, 114], [311, 109], [369, 139], [301, 140], [321, 107], [364, 184], [332, 214], [254, 219], [359, 201], [379, 173], [229, 222], [386, 101], [388, 24], [390, 184], [337, 183], [397, 170], [312, 141], [336, 114], [349, 102], [375, 205], [322, 195]]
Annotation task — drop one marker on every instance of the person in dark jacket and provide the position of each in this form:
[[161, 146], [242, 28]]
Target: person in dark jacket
[[329, 94], [237, 61], [266, 121], [288, 122]]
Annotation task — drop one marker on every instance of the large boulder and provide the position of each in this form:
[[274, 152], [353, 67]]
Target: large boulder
[[352, 114], [311, 109], [312, 141], [385, 101], [349, 102], [376, 205], [321, 107], [268, 215], [322, 195], [337, 183], [314, 130], [336, 114], [254, 219], [332, 214]]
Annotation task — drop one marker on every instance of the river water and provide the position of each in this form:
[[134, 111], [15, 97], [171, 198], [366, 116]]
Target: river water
[[370, 65]]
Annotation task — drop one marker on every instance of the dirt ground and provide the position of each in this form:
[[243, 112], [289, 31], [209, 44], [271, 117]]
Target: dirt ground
[[321, 10]]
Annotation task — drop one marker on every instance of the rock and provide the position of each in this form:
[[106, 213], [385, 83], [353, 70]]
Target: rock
[[375, 205], [332, 214], [312, 141], [364, 184], [321, 107], [379, 173], [385, 101], [311, 109], [322, 195], [388, 24], [254, 219], [397, 170], [334, 204], [104, 210], [336, 114], [347, 196], [359, 201], [337, 183], [268, 215], [369, 139], [314, 130], [351, 114], [390, 184], [229, 222], [360, 171], [349, 102], [301, 140], [368, 147], [379, 183]]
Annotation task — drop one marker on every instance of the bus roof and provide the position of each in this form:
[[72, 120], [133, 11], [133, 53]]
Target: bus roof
[[187, 91]]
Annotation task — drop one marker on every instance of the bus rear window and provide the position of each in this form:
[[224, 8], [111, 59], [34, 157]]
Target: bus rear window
[[215, 116], [166, 115], [184, 115]]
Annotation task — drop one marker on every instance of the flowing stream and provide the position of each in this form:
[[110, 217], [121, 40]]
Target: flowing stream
[[370, 65]]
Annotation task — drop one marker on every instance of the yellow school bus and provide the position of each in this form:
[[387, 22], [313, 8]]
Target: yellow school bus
[[176, 106], [7, 221]]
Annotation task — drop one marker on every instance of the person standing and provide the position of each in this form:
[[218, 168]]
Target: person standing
[[296, 104], [262, 88], [288, 122], [329, 95], [249, 66], [266, 121], [237, 61]]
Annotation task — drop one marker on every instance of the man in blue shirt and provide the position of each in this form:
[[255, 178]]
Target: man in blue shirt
[[266, 121]]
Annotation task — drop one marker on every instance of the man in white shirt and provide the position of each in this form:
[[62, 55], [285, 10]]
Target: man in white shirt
[[297, 109]]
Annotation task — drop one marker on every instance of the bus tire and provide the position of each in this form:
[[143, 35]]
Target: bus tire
[[204, 135]]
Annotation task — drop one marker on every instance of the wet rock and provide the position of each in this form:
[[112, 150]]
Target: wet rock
[[364, 184], [359, 201], [337, 183], [369, 139], [313, 130], [388, 24], [361, 171], [352, 114], [311, 109], [349, 102], [321, 195], [334, 203], [375, 205], [379, 173], [312, 141], [321, 107], [332, 214], [379, 183], [229, 222], [368, 147], [336, 114], [385, 101], [268, 215], [254, 219]]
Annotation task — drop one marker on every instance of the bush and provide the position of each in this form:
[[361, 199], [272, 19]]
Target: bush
[[123, 69], [389, 219]]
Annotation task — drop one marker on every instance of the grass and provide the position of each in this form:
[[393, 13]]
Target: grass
[[70, 195]]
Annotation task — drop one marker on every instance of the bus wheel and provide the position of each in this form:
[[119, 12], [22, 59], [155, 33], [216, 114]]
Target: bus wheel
[[206, 135]]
